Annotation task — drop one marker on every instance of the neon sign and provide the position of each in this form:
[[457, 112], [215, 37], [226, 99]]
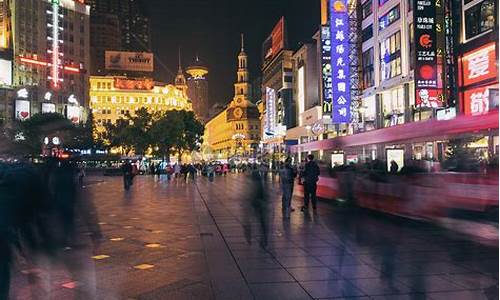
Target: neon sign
[[341, 87], [326, 70]]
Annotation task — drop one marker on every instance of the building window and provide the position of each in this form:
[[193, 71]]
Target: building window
[[366, 9], [389, 18], [479, 18], [368, 74], [382, 2], [390, 56], [367, 33]]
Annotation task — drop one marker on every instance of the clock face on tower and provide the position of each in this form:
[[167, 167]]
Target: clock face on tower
[[238, 112]]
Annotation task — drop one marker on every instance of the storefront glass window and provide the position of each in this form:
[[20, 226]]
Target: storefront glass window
[[390, 56], [479, 18]]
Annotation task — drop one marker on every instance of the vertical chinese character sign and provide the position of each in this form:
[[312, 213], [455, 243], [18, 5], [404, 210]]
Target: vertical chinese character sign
[[429, 37], [326, 69], [339, 35]]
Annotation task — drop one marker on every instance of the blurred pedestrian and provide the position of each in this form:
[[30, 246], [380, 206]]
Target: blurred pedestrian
[[127, 174], [310, 178], [287, 177], [394, 167], [260, 203]]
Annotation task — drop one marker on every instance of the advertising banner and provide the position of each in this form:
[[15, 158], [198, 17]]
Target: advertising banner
[[479, 65], [73, 113], [326, 70], [129, 61], [396, 155], [478, 101], [5, 72], [48, 108], [429, 33], [22, 110], [339, 35], [270, 122], [274, 42]]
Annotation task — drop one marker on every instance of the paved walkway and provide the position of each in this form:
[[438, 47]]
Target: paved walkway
[[172, 240]]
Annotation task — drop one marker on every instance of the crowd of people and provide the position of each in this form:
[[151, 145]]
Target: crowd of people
[[43, 213], [307, 174]]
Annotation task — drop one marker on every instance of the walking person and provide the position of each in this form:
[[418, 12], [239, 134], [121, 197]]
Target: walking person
[[127, 174], [310, 177], [287, 176]]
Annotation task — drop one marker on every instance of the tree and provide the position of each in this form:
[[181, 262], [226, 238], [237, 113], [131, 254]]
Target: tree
[[28, 135], [165, 133], [191, 137], [117, 135], [139, 128]]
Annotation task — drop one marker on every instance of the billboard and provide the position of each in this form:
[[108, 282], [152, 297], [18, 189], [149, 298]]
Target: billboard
[[73, 113], [274, 42], [428, 18], [5, 72], [22, 109], [48, 108], [341, 87], [270, 121], [479, 65], [129, 61], [326, 70], [478, 101]]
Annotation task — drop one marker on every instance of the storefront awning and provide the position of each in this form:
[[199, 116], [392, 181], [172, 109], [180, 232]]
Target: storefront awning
[[407, 133]]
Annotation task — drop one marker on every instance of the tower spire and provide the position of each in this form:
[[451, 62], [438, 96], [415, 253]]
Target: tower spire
[[242, 43], [180, 67]]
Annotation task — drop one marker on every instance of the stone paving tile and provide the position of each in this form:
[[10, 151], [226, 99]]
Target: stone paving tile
[[271, 291], [331, 289], [431, 283], [380, 286], [267, 276], [313, 273], [464, 295], [299, 261]]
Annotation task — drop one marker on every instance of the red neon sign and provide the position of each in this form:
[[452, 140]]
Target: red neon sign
[[44, 64], [479, 64]]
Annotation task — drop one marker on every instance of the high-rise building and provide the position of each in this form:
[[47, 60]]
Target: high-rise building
[[279, 112], [117, 25], [105, 35], [134, 24], [4, 25], [51, 53], [198, 89]]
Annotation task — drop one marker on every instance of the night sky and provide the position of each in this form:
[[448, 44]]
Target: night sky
[[211, 29]]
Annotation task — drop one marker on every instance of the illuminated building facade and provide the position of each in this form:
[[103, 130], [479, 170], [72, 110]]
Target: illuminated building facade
[[235, 131], [50, 44], [112, 97], [198, 89], [5, 35]]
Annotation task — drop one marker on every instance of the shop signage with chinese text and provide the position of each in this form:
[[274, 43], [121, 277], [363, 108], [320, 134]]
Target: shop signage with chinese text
[[339, 36]]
